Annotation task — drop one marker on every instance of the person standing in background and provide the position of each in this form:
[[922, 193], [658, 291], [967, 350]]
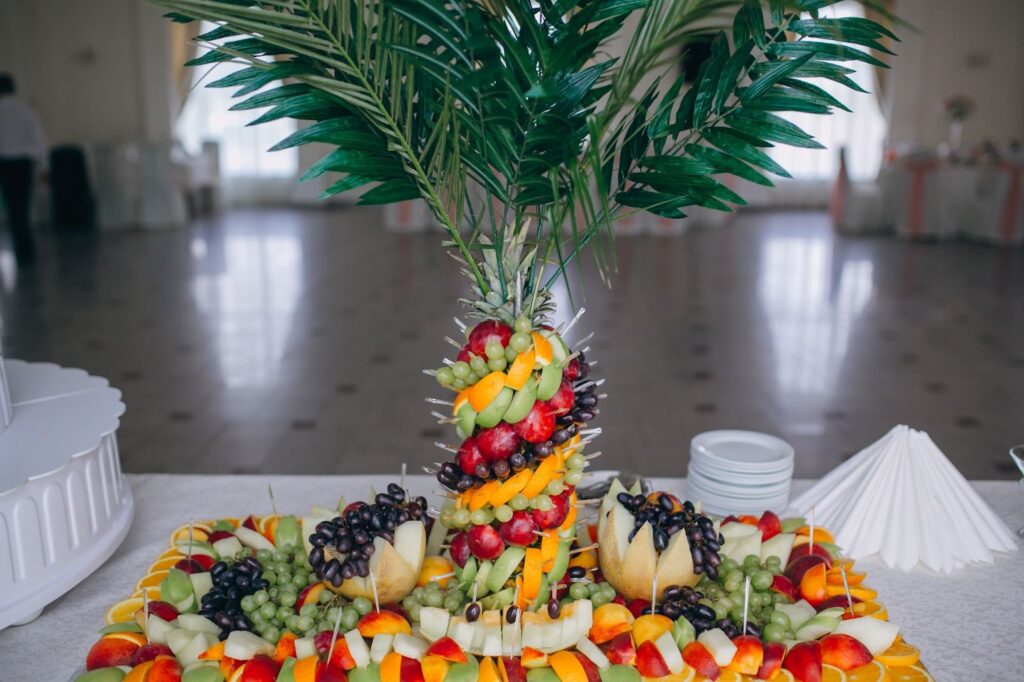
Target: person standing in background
[[22, 146]]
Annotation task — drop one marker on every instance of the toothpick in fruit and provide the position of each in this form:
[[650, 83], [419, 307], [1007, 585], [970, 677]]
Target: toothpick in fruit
[[811, 524], [334, 635], [190, 540], [273, 504], [583, 549], [746, 603], [654, 595], [376, 597], [846, 586], [145, 613]]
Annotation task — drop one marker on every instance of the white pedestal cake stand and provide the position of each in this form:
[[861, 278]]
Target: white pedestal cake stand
[[64, 504]]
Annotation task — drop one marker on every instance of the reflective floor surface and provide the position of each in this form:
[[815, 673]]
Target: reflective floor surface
[[291, 341]]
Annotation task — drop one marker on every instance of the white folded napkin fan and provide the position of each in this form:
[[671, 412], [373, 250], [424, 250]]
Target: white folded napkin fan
[[902, 499]]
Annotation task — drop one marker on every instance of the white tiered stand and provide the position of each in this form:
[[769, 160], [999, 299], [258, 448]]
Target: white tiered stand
[[64, 503]]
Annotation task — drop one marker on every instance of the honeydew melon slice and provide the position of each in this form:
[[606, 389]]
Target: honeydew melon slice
[[492, 414], [465, 421], [201, 583], [550, 380], [877, 635], [370, 673], [203, 672], [253, 540], [306, 647], [197, 623], [203, 548], [458, 672], [227, 548], [197, 645], [778, 546], [540, 675], [522, 402], [178, 639], [242, 646], [504, 566], [799, 612], [357, 647], [434, 622], [467, 574], [481, 579], [157, 629]]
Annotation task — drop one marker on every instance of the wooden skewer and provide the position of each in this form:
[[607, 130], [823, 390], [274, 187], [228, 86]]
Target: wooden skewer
[[746, 602], [654, 595], [583, 549], [602, 396], [811, 524], [461, 325], [334, 635], [846, 587], [445, 446], [453, 342], [445, 493], [594, 455], [273, 504], [376, 597], [190, 539], [430, 372], [585, 339], [448, 362], [592, 363], [438, 401], [145, 612], [564, 329], [429, 470], [437, 578]]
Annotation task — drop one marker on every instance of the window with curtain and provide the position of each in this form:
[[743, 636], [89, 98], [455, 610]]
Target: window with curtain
[[249, 173], [861, 132]]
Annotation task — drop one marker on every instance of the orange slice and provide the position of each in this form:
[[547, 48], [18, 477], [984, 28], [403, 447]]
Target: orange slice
[[512, 487], [725, 676], [200, 532], [914, 673], [830, 673], [168, 553], [519, 372], [532, 572], [486, 390], [548, 549], [871, 608], [482, 495], [567, 667], [152, 593], [151, 579], [586, 559], [138, 673], [860, 592], [900, 655], [872, 672], [835, 577], [570, 518], [543, 350], [820, 535], [460, 400], [544, 474], [123, 611], [783, 676]]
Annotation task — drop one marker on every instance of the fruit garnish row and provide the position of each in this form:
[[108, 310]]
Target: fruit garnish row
[[240, 600]]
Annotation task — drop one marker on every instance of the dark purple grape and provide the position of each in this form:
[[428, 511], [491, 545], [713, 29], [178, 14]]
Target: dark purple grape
[[473, 612]]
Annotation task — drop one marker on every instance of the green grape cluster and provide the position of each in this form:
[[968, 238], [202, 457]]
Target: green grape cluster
[[462, 374], [725, 595], [451, 598], [598, 593], [272, 610]]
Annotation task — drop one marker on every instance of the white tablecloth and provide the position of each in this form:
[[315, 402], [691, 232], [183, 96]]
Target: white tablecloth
[[968, 625]]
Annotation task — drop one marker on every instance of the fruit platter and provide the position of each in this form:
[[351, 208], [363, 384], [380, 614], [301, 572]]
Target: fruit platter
[[507, 574]]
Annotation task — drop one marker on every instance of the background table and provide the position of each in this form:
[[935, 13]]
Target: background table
[[968, 625]]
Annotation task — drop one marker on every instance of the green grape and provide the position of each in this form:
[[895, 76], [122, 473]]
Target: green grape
[[419, 593], [435, 599], [362, 605], [322, 625], [573, 477], [273, 592], [600, 599], [332, 614], [773, 632], [292, 622], [733, 582], [248, 603], [712, 590], [761, 580], [780, 618], [727, 566], [520, 341], [280, 557], [478, 365], [779, 598], [736, 614], [576, 461], [300, 579], [461, 518], [751, 562], [325, 597], [578, 591], [754, 600], [726, 603], [267, 611], [452, 603], [481, 517], [721, 611], [458, 384], [592, 588], [270, 576], [519, 502], [308, 610], [271, 634], [287, 598], [260, 597], [408, 601], [460, 369], [555, 487], [305, 623], [498, 365], [414, 612], [494, 350], [773, 564], [264, 555], [349, 617], [510, 355], [283, 612], [608, 590], [503, 513]]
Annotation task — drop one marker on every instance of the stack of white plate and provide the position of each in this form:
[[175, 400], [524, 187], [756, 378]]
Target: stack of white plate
[[740, 472]]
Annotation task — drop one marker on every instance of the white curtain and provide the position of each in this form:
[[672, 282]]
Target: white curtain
[[249, 173]]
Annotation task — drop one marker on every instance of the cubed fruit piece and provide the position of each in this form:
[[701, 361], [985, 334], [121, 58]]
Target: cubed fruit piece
[[620, 649], [383, 622], [380, 647], [488, 670], [749, 655], [592, 652], [773, 653], [620, 673], [511, 669], [719, 644], [844, 652], [434, 623], [410, 646], [650, 627], [533, 658], [567, 667], [669, 652], [434, 668], [770, 525], [804, 661], [357, 648]]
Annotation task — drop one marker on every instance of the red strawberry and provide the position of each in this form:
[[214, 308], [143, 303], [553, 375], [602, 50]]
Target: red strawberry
[[488, 330], [538, 425], [499, 442], [563, 399], [572, 370], [469, 456]]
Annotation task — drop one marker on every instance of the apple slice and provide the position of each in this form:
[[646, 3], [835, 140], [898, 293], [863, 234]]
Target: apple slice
[[591, 651], [718, 643], [819, 625], [799, 612], [357, 648], [253, 540], [877, 635]]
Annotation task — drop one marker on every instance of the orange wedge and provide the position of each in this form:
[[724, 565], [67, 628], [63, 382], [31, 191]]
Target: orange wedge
[[168, 553], [871, 608], [914, 673], [214, 653], [152, 593], [783, 676], [542, 350], [567, 667], [830, 673], [519, 372], [138, 673], [544, 474], [460, 400], [820, 535], [483, 392], [860, 592], [900, 655], [548, 549], [304, 669], [151, 579], [512, 487], [725, 676], [570, 518], [390, 668], [482, 495], [164, 564], [586, 559], [123, 611], [835, 577], [872, 672]]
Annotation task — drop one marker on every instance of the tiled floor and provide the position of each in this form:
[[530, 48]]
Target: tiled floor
[[289, 341]]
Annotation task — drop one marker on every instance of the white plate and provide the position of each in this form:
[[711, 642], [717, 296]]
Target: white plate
[[740, 478], [725, 488], [723, 505], [747, 451]]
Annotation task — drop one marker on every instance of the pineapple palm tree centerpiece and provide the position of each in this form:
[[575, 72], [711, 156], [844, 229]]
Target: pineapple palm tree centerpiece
[[528, 127]]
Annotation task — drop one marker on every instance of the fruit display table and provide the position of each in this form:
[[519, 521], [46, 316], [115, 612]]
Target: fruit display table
[[967, 625]]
